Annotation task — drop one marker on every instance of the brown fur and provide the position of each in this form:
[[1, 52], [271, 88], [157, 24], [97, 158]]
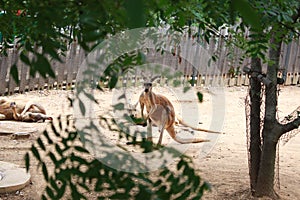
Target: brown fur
[[29, 112], [144, 103], [161, 111]]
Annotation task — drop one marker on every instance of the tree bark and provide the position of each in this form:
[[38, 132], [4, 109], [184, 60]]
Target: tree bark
[[265, 179], [262, 169], [255, 141]]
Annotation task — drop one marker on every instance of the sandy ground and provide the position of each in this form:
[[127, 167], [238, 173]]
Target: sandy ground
[[223, 163]]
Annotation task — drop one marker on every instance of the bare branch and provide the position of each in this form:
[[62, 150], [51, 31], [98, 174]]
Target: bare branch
[[290, 126]]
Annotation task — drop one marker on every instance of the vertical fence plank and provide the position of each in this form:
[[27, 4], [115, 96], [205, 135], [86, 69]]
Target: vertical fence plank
[[71, 64], [23, 76], [50, 80], [288, 80], [3, 72], [295, 78], [11, 82], [61, 70]]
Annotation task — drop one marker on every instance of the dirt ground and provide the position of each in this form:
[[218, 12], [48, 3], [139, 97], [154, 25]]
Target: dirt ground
[[224, 163]]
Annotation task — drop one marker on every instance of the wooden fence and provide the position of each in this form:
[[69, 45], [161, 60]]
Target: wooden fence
[[65, 72], [226, 71]]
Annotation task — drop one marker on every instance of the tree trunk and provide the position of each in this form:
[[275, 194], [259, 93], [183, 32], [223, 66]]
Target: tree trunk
[[262, 158], [255, 141], [265, 179]]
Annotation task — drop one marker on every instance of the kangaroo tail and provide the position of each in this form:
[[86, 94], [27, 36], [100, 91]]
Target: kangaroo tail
[[189, 140], [172, 133], [198, 129]]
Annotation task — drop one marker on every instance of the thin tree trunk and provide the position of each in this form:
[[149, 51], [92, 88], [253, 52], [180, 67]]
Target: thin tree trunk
[[255, 141]]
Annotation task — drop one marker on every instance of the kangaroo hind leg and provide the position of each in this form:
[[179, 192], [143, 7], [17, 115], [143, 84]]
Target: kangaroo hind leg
[[34, 108]]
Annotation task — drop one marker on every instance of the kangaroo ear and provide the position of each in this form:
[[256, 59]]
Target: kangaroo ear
[[153, 78]]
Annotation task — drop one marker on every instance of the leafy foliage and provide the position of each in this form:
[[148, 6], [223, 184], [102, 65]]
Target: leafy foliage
[[69, 170], [42, 30]]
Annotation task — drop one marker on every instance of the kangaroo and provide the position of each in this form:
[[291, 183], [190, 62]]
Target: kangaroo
[[143, 103], [161, 112], [31, 112]]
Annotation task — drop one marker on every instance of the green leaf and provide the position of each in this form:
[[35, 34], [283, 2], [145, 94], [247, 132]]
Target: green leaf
[[28, 47], [59, 122], [205, 186], [248, 13], [84, 186], [25, 59], [198, 197], [74, 192], [113, 81], [14, 73], [157, 183], [200, 96], [45, 172], [45, 133], [135, 13], [61, 190], [53, 128], [164, 173], [180, 188], [185, 195], [82, 107], [58, 150], [93, 35], [50, 192], [53, 183], [180, 164], [144, 193], [53, 53], [176, 83], [35, 152], [52, 157], [41, 144], [214, 58], [90, 96], [44, 197], [81, 149], [80, 160], [119, 106], [162, 193], [27, 161], [123, 96], [196, 182], [186, 88], [120, 196], [43, 66], [60, 162]]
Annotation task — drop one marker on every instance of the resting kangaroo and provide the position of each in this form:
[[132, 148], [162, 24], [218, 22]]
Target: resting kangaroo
[[30, 112], [161, 111]]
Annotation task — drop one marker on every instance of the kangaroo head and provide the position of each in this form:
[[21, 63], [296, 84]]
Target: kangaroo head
[[148, 87], [13, 104]]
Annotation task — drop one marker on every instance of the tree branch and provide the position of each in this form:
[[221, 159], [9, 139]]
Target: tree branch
[[290, 126]]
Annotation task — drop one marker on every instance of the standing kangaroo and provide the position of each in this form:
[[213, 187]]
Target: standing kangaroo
[[161, 112]]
